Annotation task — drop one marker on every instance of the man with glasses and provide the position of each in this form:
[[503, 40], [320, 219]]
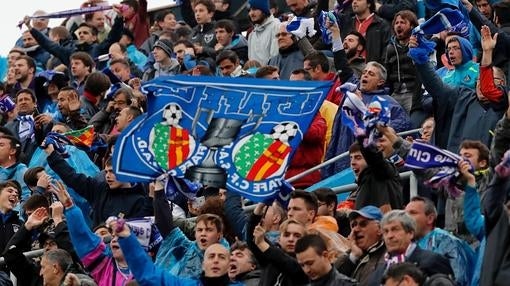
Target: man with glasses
[[367, 245], [289, 56]]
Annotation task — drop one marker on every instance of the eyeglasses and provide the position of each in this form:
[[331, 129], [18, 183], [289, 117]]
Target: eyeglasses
[[282, 34], [454, 48], [361, 224]]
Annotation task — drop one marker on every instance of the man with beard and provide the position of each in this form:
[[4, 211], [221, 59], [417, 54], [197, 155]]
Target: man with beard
[[32, 49], [289, 56], [354, 46], [261, 43], [24, 70], [404, 84], [68, 104], [310, 9], [97, 20], [375, 29]]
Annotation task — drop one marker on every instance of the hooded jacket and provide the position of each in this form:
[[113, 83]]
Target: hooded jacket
[[467, 72], [239, 45], [261, 41], [157, 70], [146, 273], [177, 254]]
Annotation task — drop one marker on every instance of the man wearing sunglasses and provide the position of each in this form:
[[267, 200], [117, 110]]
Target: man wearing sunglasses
[[367, 245]]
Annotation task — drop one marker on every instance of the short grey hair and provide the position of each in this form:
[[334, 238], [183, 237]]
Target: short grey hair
[[408, 223], [60, 257], [383, 74]]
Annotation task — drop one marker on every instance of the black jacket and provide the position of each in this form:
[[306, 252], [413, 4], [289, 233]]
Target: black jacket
[[105, 202], [496, 260], [27, 270], [379, 183], [63, 52], [334, 278], [378, 35], [366, 264], [427, 261], [278, 267], [28, 146], [9, 225]]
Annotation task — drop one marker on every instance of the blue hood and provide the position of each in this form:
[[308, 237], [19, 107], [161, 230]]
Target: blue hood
[[466, 48]]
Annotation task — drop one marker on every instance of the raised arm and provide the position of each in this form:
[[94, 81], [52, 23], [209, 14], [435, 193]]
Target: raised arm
[[61, 52], [235, 214], [88, 246], [85, 186], [144, 271], [162, 211]]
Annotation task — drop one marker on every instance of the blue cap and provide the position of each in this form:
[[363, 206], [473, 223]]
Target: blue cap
[[369, 212]]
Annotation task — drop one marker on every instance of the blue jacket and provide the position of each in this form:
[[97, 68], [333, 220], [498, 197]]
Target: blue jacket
[[137, 57], [475, 223], [458, 252], [16, 172], [180, 256], [467, 72], [342, 137], [146, 273]]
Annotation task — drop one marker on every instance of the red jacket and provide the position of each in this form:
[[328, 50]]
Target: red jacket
[[309, 154], [333, 95], [487, 87], [139, 24]]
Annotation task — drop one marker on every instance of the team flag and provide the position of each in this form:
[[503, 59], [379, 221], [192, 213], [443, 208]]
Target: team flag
[[236, 133]]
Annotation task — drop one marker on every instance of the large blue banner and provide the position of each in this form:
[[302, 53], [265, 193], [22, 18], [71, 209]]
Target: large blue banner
[[238, 133]]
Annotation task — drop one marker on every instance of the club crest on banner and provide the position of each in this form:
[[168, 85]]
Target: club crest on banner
[[224, 132]]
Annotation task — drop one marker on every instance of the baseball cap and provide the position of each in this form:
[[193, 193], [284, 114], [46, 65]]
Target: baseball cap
[[369, 212]]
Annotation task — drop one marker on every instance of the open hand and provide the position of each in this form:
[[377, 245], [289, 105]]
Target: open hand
[[488, 42], [37, 218], [59, 189]]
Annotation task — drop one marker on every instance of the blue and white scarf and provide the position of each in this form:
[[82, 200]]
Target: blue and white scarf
[[362, 119], [26, 127], [424, 156]]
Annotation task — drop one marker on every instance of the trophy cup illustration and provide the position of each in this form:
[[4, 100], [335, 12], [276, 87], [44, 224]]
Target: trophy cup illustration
[[220, 132]]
